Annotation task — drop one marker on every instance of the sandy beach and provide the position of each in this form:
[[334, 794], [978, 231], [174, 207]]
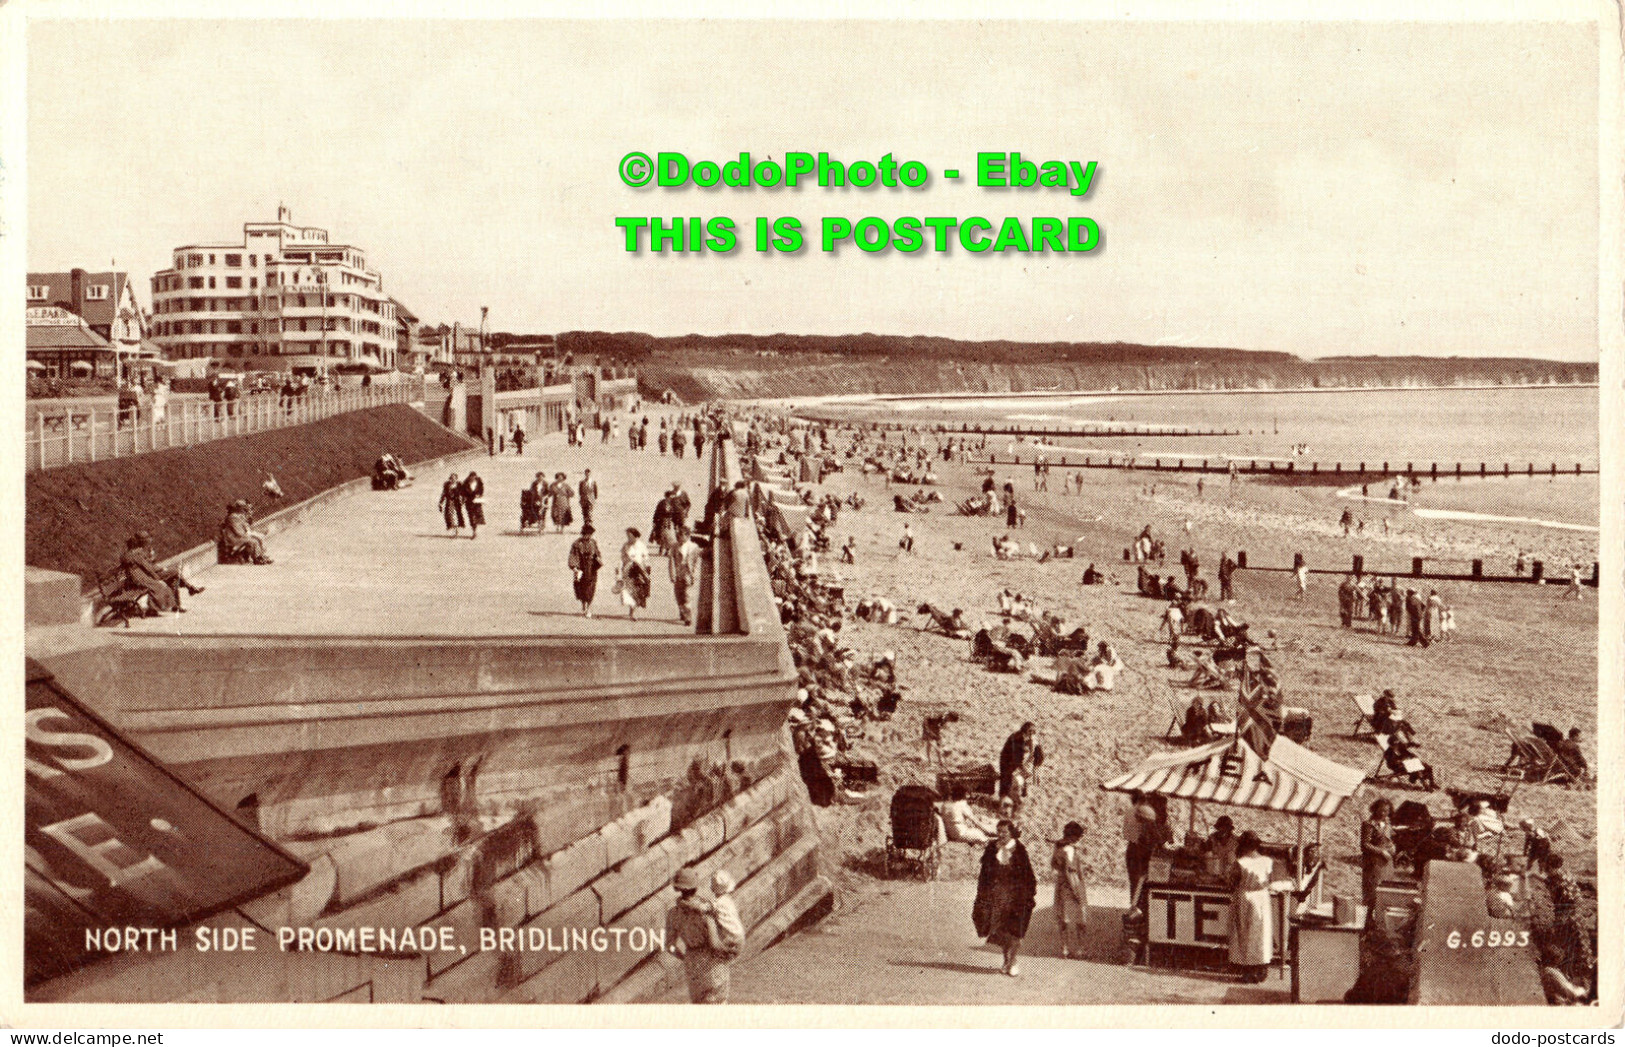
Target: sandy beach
[[1520, 650]]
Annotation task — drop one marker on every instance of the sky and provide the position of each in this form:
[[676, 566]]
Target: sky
[[1317, 188]]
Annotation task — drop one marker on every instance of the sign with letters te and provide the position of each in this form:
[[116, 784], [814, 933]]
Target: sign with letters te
[[1185, 917], [116, 843]]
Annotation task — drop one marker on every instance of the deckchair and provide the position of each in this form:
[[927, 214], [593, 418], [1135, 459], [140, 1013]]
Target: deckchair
[[1412, 770], [1533, 761], [1367, 707]]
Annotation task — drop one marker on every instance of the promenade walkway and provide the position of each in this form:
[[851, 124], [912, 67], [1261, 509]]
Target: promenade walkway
[[907, 942], [381, 563]]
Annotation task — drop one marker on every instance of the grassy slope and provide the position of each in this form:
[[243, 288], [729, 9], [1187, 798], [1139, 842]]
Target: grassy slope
[[79, 516]]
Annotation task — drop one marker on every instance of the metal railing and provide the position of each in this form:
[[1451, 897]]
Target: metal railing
[[68, 434]]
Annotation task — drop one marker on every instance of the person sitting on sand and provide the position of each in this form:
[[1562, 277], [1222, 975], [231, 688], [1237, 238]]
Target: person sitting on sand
[[1102, 675], [1091, 576], [962, 824]]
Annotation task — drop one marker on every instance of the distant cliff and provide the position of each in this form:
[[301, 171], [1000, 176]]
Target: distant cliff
[[753, 377]]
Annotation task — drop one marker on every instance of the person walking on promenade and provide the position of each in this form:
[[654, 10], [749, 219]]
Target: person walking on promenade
[[1006, 892], [663, 441], [685, 568], [634, 580], [588, 491], [643, 434], [451, 505], [679, 442], [1071, 891], [585, 562], [1396, 606], [1302, 574], [519, 440], [562, 516], [1227, 572], [699, 439], [691, 928], [474, 503]]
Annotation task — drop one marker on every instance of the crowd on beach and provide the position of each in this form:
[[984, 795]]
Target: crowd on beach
[[835, 714]]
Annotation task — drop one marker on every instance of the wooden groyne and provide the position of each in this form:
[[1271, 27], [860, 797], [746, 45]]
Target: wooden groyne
[[1315, 473], [1003, 429], [1420, 570]]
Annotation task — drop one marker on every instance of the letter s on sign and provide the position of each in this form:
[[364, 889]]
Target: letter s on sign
[[102, 752]]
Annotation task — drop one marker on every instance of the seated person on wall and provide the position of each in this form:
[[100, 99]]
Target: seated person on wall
[[143, 572], [238, 541], [388, 473]]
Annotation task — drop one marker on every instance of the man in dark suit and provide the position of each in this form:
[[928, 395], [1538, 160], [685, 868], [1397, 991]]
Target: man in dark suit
[[143, 572]]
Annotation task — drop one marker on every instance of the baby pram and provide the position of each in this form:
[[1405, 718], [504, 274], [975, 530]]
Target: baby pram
[[530, 509], [914, 830]]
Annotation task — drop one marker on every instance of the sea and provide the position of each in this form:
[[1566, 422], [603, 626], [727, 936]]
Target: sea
[[1496, 427]]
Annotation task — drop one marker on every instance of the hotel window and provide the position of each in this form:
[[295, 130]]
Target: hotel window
[[96, 293], [38, 292], [234, 327], [194, 282], [234, 281], [211, 283], [211, 259], [194, 260], [253, 282], [253, 260], [234, 261]]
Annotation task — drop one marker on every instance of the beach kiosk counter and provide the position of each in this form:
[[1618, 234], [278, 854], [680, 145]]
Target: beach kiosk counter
[[1187, 902]]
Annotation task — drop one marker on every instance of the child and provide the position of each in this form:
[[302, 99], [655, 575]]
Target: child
[[1071, 894], [726, 911]]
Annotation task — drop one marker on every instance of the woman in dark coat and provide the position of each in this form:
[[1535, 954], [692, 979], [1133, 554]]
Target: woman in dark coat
[[474, 502], [1006, 891], [451, 504], [585, 560]]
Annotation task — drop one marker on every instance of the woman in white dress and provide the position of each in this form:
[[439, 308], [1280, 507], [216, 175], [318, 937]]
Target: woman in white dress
[[634, 572], [1251, 941]]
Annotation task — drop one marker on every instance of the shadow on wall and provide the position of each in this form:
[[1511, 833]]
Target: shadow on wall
[[708, 786]]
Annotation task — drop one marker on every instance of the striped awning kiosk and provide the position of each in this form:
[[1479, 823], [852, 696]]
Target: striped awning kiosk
[[1291, 779], [1288, 778]]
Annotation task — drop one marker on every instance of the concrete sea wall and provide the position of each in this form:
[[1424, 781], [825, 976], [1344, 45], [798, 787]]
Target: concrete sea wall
[[549, 788]]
